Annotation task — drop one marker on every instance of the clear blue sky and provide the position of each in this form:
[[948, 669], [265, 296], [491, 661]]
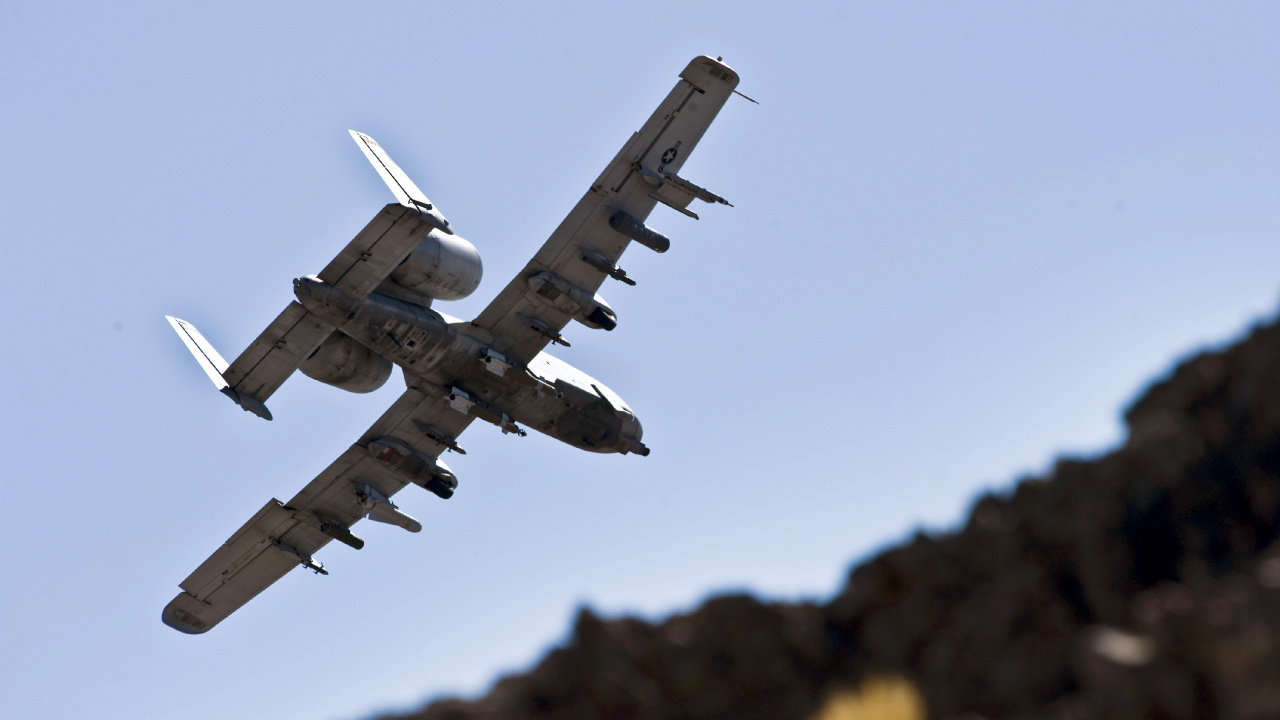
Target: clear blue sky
[[966, 235]]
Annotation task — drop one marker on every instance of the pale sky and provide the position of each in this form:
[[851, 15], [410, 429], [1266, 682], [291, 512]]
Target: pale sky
[[966, 235]]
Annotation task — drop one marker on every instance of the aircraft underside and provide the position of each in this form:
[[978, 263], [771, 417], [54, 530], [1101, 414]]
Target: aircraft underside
[[370, 309], [436, 355]]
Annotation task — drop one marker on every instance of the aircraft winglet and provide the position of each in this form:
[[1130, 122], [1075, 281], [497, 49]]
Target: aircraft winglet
[[401, 186]]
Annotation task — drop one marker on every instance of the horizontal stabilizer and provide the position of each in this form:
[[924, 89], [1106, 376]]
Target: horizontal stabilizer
[[401, 186]]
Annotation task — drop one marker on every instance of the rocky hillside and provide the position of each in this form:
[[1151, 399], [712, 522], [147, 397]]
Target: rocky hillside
[[1144, 583]]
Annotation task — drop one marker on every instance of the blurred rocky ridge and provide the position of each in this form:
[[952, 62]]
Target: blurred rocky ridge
[[1144, 583]]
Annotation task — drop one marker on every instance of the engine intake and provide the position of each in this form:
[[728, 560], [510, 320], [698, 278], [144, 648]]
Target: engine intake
[[441, 267]]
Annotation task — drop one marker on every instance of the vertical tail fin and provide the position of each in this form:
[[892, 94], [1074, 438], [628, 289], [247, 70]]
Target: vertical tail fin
[[214, 366], [401, 186], [210, 361]]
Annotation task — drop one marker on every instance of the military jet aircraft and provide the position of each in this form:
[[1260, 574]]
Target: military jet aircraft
[[370, 309]]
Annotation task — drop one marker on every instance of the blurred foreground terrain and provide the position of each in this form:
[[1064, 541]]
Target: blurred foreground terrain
[[1144, 583]]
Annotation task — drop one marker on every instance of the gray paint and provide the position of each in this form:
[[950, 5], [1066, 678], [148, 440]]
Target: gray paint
[[370, 308]]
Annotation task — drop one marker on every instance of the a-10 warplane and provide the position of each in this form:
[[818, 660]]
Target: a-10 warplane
[[370, 309]]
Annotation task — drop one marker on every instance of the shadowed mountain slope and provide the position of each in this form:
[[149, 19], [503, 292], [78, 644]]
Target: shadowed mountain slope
[[1144, 583]]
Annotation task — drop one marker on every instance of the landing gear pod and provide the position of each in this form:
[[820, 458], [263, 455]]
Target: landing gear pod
[[426, 472], [590, 310], [601, 317]]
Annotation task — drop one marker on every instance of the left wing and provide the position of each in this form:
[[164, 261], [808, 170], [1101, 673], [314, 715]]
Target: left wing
[[399, 449], [560, 283]]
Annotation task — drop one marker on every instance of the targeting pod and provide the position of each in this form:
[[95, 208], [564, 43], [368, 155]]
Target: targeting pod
[[543, 329], [437, 435]]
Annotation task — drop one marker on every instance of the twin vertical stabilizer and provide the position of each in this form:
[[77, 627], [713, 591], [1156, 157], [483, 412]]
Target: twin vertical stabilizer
[[405, 191], [214, 366]]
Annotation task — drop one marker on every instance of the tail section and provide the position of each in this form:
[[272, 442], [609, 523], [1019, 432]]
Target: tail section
[[405, 191], [364, 264], [210, 361]]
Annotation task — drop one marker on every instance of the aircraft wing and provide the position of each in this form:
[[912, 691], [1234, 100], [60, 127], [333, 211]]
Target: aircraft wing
[[291, 338], [282, 536], [585, 248]]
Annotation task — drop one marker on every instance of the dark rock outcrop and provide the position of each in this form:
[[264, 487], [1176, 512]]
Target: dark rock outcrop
[[1144, 583]]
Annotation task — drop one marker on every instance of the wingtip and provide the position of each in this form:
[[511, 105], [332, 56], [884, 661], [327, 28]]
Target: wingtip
[[181, 620]]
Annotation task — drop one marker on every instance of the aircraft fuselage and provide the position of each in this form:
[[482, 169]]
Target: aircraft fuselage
[[439, 353]]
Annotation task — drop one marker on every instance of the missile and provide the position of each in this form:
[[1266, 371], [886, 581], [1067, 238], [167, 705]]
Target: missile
[[543, 329], [338, 531], [303, 559], [597, 261], [697, 191], [434, 433]]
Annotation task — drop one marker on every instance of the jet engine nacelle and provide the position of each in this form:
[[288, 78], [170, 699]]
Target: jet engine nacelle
[[344, 363], [442, 267]]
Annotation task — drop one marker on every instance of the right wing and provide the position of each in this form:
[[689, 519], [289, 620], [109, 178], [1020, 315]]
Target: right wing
[[281, 536], [585, 248]]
